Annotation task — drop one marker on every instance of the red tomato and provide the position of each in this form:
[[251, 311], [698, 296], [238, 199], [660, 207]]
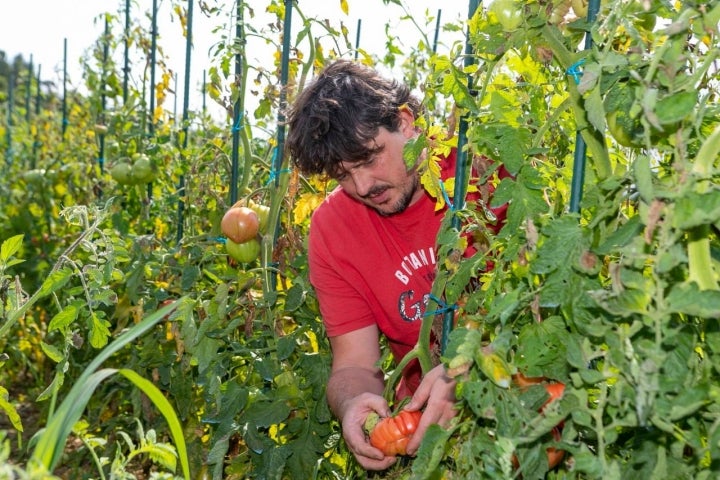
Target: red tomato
[[391, 434], [240, 224]]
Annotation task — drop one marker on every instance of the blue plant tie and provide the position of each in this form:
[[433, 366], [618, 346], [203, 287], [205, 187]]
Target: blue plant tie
[[446, 196], [238, 124], [222, 240], [444, 307], [274, 174], [574, 70], [101, 161]]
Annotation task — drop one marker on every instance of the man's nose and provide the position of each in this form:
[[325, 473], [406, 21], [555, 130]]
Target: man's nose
[[362, 181]]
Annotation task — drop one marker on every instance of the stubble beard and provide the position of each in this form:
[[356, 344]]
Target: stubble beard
[[404, 201]]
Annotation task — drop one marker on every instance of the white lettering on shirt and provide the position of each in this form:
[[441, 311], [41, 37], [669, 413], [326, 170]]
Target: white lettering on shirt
[[413, 262]]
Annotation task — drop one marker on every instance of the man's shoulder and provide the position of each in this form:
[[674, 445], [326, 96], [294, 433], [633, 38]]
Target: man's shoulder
[[337, 204]]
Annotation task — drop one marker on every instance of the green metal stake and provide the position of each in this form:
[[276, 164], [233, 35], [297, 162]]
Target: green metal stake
[[36, 142], [106, 55], [64, 99], [578, 177], [461, 166], [238, 107], [153, 49], [204, 92], [126, 42], [437, 31], [357, 38], [279, 153], [186, 120], [11, 102], [279, 157], [28, 88]]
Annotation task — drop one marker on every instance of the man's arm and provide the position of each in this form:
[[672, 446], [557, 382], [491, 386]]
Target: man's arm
[[355, 389]]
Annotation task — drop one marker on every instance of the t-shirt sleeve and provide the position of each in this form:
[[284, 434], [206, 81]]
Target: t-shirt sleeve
[[342, 306]]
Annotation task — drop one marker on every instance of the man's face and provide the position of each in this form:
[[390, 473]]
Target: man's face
[[382, 181]]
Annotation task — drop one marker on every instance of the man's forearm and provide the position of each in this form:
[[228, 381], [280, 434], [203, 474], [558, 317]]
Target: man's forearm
[[347, 383]]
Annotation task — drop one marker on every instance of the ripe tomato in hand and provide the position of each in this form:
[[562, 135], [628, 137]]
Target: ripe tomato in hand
[[391, 434], [240, 224]]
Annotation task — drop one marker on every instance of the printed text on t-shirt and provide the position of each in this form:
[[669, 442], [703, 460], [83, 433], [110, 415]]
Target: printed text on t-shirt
[[413, 262]]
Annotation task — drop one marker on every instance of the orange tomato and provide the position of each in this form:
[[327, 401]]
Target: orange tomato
[[391, 434]]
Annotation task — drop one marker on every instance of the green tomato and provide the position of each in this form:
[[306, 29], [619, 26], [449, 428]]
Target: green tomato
[[627, 131], [244, 252], [34, 176], [263, 213], [508, 13], [121, 173], [580, 7], [142, 170]]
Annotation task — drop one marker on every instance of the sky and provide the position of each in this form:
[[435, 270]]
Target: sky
[[42, 28]]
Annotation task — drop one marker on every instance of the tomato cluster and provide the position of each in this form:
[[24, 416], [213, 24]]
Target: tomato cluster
[[392, 434], [242, 224], [133, 171]]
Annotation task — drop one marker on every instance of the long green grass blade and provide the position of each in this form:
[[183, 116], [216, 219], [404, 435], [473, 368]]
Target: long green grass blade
[[51, 441], [168, 412]]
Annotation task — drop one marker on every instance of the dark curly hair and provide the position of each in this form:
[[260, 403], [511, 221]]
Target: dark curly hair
[[336, 117]]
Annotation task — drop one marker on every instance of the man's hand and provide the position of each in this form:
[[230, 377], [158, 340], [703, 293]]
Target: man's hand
[[356, 411], [437, 394]]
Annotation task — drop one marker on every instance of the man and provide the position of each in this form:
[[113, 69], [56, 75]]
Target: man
[[371, 245]]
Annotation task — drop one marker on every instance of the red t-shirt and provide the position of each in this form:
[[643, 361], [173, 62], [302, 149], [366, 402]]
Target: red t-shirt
[[368, 269]]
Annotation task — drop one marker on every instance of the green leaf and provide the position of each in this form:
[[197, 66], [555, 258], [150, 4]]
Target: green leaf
[[295, 297], [99, 331], [676, 107], [595, 110], [10, 410], [564, 242], [55, 281], [65, 317], [696, 209], [620, 237], [643, 178], [542, 348], [689, 299], [10, 247], [431, 452], [52, 352], [265, 413]]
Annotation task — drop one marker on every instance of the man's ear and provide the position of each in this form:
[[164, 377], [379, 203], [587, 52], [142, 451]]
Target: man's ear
[[407, 123]]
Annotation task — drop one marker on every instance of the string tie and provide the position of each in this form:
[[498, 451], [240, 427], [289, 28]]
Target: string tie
[[446, 196], [238, 124], [444, 307], [575, 71]]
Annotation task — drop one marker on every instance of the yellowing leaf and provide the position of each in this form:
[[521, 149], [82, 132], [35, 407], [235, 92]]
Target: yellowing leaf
[[306, 204], [344, 7], [495, 367]]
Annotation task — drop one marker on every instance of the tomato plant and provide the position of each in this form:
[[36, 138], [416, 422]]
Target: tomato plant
[[240, 224], [392, 434]]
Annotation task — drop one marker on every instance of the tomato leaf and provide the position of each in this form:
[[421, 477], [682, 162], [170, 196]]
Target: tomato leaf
[[10, 247]]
